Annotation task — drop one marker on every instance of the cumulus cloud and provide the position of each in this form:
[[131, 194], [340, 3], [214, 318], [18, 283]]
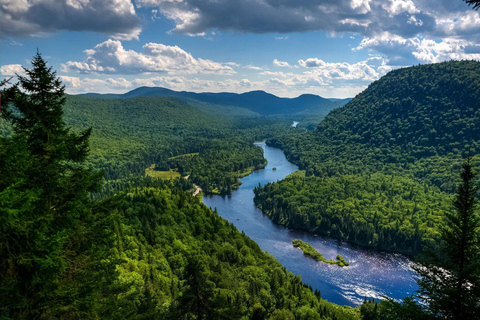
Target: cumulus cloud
[[401, 51], [111, 57], [367, 17], [282, 64], [9, 70], [313, 75], [367, 70], [407, 21], [30, 18]]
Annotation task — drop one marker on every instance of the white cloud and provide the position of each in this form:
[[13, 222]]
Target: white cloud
[[312, 75], [407, 51], [282, 64], [275, 74], [395, 7], [111, 57], [253, 68], [30, 18], [11, 70], [361, 6], [246, 83], [368, 70]]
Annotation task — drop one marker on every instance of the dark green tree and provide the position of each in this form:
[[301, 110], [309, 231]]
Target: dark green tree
[[408, 309], [44, 197], [449, 282], [196, 297], [474, 3]]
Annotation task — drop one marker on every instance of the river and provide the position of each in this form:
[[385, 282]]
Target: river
[[370, 274]]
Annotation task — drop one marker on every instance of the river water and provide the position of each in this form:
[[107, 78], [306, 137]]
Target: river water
[[370, 274]]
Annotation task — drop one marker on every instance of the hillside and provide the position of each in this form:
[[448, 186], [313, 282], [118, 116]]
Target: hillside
[[151, 250], [411, 130], [260, 102], [424, 111], [129, 135]]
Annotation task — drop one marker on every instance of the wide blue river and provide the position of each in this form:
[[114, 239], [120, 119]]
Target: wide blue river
[[370, 274]]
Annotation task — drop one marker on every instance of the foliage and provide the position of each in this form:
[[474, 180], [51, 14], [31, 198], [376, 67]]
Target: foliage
[[150, 251], [474, 3], [180, 260], [311, 252], [379, 211], [389, 309], [450, 276], [44, 211], [399, 143], [129, 135]]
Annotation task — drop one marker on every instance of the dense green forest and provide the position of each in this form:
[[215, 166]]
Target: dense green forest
[[379, 167], [381, 211], [151, 251], [129, 135]]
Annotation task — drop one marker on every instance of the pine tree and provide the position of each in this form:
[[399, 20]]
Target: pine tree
[[474, 3], [449, 282], [44, 189]]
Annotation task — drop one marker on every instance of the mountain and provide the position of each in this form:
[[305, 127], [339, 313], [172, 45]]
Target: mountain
[[410, 114], [258, 101], [424, 110], [213, 147], [145, 248], [380, 170]]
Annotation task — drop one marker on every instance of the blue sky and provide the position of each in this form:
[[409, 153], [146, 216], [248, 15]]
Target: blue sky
[[333, 48]]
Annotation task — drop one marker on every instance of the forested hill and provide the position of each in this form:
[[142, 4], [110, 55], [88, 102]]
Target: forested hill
[[383, 161], [214, 148], [258, 101], [152, 250], [425, 113], [425, 110]]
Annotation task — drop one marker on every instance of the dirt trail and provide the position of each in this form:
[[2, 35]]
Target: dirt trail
[[197, 188]]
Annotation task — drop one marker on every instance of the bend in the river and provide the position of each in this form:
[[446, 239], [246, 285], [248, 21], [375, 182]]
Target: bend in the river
[[370, 274]]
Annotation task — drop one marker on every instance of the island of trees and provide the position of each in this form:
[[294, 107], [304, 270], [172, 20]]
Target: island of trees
[[311, 252]]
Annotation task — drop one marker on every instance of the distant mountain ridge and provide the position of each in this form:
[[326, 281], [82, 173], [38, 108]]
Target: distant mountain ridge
[[258, 101]]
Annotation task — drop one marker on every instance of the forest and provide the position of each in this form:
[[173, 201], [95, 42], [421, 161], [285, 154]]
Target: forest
[[385, 212], [85, 233], [129, 135], [380, 171], [148, 250]]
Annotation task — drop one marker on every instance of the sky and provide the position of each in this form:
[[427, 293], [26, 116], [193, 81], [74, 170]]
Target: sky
[[333, 48]]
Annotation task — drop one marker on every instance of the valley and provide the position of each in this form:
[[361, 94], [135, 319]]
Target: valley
[[101, 194], [370, 274]]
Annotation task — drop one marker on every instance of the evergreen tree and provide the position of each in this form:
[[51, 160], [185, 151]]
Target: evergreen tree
[[474, 3], [450, 276], [44, 190]]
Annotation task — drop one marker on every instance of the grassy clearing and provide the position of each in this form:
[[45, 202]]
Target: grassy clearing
[[310, 252], [165, 175]]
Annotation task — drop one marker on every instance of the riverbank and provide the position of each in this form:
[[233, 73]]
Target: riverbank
[[370, 274]]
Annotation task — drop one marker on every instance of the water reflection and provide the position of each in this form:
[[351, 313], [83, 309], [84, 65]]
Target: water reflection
[[370, 274]]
